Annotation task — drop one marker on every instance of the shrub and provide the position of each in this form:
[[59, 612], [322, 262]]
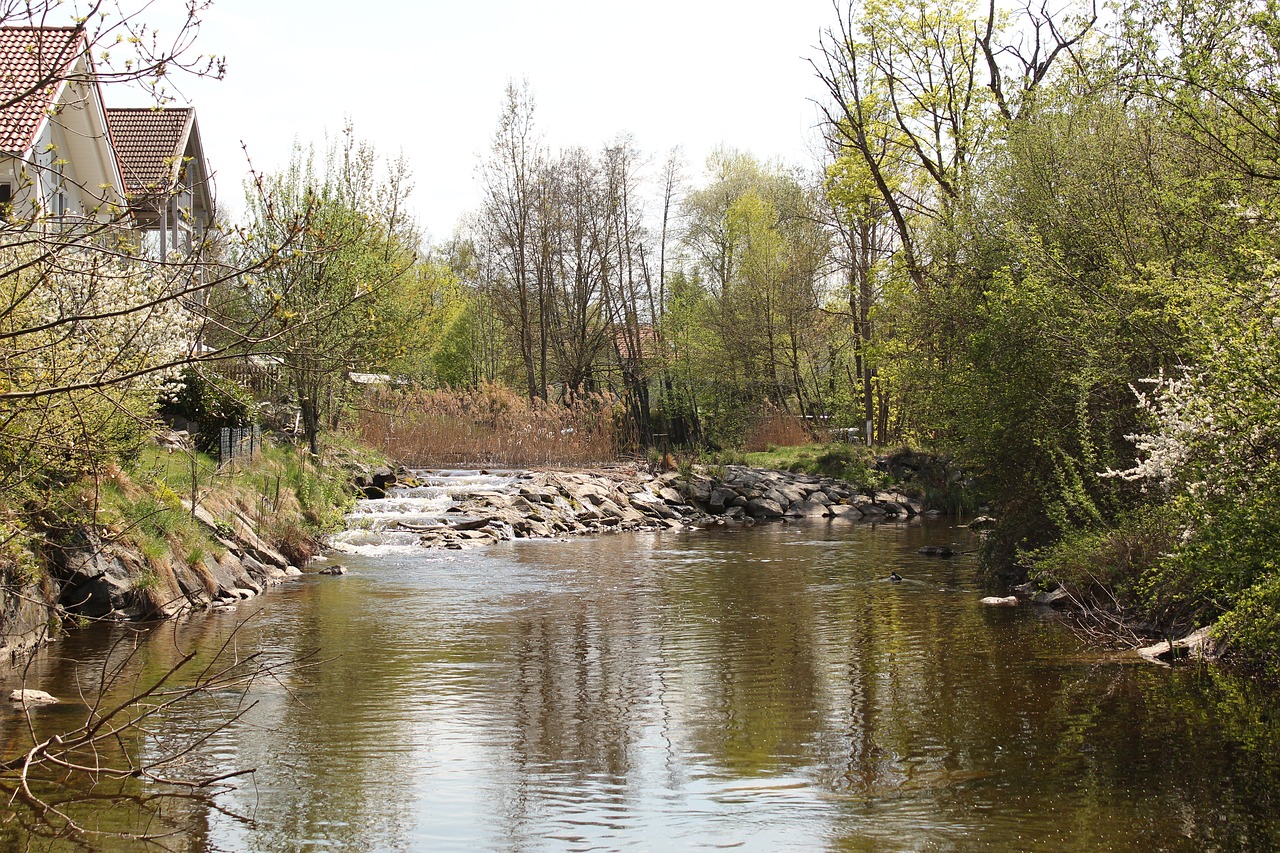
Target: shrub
[[1116, 565], [208, 402], [1250, 631]]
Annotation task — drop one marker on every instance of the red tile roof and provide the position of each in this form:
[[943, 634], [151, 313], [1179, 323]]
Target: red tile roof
[[33, 63], [149, 142]]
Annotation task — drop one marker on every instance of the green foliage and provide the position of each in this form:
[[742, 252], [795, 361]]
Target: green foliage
[[86, 336], [1073, 234], [1114, 566], [343, 296], [1251, 628]]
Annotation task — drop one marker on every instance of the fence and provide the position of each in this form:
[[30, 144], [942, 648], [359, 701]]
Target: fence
[[234, 442]]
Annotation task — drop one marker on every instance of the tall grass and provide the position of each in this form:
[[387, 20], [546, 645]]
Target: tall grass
[[489, 426], [775, 428]]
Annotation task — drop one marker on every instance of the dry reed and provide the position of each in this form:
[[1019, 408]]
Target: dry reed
[[489, 426], [776, 428]]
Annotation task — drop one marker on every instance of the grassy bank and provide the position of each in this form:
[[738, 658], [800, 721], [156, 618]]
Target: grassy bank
[[852, 463], [169, 524]]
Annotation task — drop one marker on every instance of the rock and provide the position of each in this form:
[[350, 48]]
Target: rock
[[720, 498], [1000, 601], [982, 522], [763, 508], [333, 570], [1060, 597], [846, 512], [32, 697], [807, 508], [698, 489], [943, 551], [670, 495]]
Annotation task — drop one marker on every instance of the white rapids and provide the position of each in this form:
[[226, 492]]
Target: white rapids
[[384, 525]]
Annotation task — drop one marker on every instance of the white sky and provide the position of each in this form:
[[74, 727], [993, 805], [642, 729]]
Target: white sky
[[427, 78]]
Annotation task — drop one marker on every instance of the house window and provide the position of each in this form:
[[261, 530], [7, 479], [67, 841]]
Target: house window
[[6, 201]]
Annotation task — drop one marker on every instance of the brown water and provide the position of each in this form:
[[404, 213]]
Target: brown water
[[754, 689]]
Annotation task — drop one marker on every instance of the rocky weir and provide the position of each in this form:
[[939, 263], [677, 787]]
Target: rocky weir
[[468, 509]]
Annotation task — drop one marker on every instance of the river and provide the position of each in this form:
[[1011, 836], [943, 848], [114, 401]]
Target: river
[[763, 689]]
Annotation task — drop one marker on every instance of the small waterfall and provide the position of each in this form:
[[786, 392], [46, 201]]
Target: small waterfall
[[386, 525]]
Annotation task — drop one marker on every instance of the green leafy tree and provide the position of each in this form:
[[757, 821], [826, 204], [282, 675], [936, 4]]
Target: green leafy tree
[[342, 296]]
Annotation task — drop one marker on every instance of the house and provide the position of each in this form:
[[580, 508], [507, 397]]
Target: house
[[166, 177], [67, 159], [56, 159]]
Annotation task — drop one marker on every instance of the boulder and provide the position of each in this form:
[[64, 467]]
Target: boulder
[[1060, 597], [807, 508], [1001, 601], [720, 498], [670, 495], [763, 508], [943, 551]]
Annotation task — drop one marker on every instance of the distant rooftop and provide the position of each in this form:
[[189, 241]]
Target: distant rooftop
[[149, 143]]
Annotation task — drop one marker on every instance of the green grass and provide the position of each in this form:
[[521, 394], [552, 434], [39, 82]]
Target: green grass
[[848, 462]]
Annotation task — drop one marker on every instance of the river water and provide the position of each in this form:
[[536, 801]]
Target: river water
[[760, 689]]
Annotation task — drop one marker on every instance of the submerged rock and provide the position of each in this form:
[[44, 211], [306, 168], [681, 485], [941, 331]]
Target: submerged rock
[[1001, 600]]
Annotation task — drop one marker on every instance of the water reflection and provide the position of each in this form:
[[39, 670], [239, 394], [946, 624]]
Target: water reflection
[[758, 689]]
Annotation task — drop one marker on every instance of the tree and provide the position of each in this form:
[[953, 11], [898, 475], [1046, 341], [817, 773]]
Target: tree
[[335, 299], [507, 222]]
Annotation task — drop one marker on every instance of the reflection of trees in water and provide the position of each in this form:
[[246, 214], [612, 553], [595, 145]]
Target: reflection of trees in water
[[742, 649], [1197, 750], [123, 763], [580, 696], [327, 746]]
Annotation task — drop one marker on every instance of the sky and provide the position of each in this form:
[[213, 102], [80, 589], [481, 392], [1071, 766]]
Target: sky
[[426, 79]]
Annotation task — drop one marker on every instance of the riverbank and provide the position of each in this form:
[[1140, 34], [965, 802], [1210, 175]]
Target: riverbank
[[172, 534], [164, 539]]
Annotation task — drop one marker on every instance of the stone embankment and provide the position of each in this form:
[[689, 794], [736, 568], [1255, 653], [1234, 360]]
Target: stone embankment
[[102, 580], [544, 504]]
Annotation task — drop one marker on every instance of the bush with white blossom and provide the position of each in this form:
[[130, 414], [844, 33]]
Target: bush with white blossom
[[86, 339]]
